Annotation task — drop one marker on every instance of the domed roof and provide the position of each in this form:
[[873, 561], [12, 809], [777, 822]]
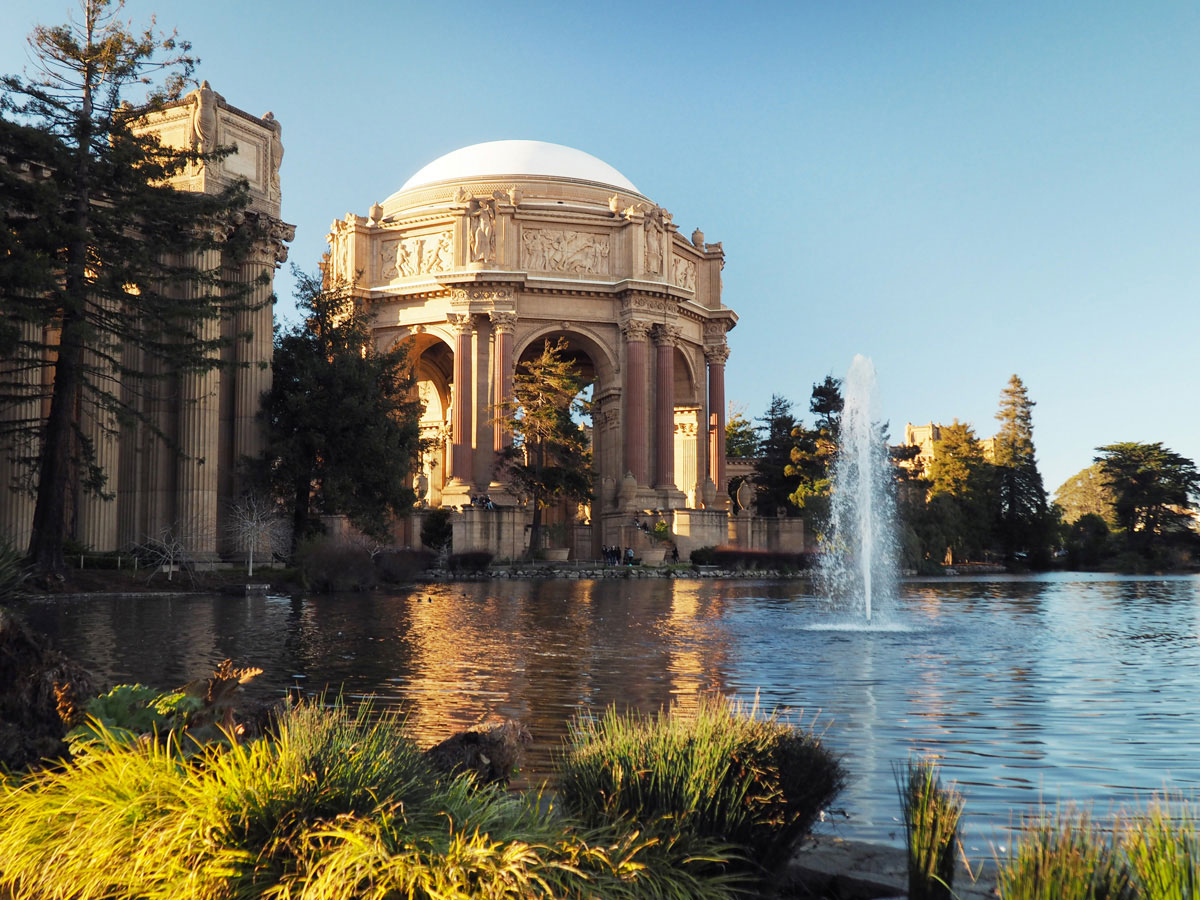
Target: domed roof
[[514, 158]]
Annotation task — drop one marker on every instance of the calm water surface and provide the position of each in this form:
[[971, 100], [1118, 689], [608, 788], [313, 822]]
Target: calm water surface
[[1057, 688]]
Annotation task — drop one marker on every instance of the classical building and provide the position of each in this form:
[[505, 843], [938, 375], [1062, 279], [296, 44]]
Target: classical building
[[489, 251], [210, 416]]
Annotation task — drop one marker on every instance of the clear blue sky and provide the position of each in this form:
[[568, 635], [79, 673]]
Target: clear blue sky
[[960, 191]]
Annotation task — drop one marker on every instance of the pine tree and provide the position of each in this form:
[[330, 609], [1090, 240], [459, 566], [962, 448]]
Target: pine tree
[[814, 451], [773, 484], [960, 474], [1023, 520], [96, 250], [343, 421], [550, 459]]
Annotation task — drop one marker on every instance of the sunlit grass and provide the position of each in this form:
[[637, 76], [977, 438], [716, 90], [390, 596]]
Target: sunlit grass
[[336, 805], [721, 772], [931, 814], [1163, 849], [1065, 856]]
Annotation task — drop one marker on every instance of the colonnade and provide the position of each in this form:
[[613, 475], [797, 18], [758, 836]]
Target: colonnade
[[642, 387]]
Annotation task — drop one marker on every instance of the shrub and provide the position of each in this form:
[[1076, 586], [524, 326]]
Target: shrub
[[737, 558], [329, 566], [722, 773], [336, 805], [471, 561], [1163, 849], [931, 815], [402, 566], [437, 531], [1064, 857]]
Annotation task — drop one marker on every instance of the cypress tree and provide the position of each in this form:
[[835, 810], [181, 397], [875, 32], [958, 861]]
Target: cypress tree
[[1023, 520]]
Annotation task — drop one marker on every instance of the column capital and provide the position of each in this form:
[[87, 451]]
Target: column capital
[[503, 321], [667, 335], [635, 329], [462, 323], [716, 354], [268, 239]]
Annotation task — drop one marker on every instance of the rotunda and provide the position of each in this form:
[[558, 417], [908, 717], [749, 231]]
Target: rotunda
[[488, 251]]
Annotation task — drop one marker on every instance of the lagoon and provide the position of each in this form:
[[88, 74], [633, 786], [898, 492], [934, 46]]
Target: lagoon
[[1059, 688]]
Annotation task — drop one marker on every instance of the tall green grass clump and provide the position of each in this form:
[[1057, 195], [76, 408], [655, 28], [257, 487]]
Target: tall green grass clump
[[12, 572], [721, 773], [1065, 857], [334, 805], [931, 816], [1163, 849]]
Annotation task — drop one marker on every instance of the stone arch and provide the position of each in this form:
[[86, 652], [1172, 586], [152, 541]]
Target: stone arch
[[432, 356], [690, 428], [602, 372]]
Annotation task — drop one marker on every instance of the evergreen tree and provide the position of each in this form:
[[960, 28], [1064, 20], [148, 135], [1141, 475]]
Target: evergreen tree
[[960, 473], [1023, 520], [343, 421], [94, 272], [772, 481], [814, 451], [1086, 493], [1154, 492], [550, 459]]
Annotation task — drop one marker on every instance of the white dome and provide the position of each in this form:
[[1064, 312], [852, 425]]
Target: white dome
[[511, 158]]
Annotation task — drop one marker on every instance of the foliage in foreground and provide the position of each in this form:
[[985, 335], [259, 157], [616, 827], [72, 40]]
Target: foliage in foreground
[[931, 814], [722, 773], [335, 805], [1065, 856]]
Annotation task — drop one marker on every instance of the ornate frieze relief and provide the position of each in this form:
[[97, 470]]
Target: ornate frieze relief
[[421, 255], [684, 273], [556, 250], [481, 294], [657, 304]]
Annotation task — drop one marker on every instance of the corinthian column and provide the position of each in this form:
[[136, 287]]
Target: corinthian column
[[199, 428], [19, 420], [636, 455], [256, 319], [716, 356], [503, 326], [461, 455], [665, 339]]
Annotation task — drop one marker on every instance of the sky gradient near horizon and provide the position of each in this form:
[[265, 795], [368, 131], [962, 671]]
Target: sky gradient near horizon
[[960, 191]]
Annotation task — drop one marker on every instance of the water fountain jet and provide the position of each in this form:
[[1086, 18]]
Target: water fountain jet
[[859, 558]]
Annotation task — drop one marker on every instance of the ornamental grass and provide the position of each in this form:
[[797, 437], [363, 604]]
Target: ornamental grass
[[931, 816], [1065, 856], [722, 772], [1163, 849], [334, 805]]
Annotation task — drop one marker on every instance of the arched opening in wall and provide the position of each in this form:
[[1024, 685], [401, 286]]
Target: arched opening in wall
[[690, 432], [569, 523], [433, 367]]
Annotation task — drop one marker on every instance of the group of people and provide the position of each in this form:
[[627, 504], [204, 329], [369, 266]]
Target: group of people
[[614, 556], [482, 501]]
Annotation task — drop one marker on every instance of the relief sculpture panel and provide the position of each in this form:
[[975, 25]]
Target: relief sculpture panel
[[416, 255], [575, 252], [684, 273]]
